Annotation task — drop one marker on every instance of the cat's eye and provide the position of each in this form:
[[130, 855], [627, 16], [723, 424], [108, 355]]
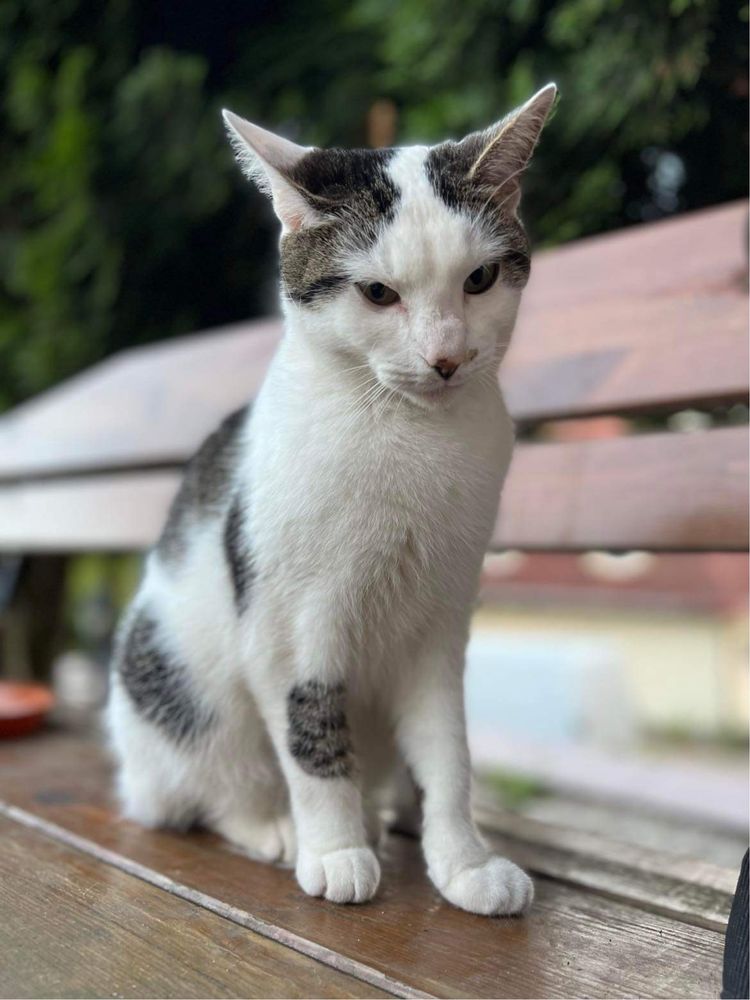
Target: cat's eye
[[378, 293], [480, 280]]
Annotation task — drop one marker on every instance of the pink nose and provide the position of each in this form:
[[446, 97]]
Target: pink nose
[[446, 367]]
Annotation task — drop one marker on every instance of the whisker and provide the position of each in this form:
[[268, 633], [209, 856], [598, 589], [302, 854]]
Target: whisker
[[362, 403]]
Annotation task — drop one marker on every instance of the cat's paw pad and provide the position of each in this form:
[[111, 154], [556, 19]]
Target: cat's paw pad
[[495, 888], [350, 875]]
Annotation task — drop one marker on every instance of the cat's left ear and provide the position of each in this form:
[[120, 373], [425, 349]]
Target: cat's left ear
[[268, 160], [502, 152]]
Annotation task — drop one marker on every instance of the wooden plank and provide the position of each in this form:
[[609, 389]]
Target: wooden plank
[[148, 405], [662, 492], [119, 512], [659, 491], [648, 318], [73, 926], [626, 322], [629, 356], [573, 943], [695, 891], [694, 251]]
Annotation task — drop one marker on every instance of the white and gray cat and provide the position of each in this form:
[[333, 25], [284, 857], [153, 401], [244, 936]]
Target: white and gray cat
[[296, 647]]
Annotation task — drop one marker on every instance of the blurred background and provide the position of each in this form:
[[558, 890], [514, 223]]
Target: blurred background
[[118, 192], [608, 692]]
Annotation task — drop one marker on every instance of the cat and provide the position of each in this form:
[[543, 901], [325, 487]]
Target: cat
[[296, 645]]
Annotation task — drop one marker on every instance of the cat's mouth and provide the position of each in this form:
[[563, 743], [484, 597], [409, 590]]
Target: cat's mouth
[[430, 393], [420, 388]]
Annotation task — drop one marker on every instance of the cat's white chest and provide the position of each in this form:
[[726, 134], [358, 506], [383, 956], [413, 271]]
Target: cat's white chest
[[389, 520]]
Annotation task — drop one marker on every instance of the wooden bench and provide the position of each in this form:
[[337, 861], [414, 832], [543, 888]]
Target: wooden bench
[[641, 324]]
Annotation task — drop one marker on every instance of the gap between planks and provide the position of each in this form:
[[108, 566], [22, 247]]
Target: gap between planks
[[320, 953], [692, 892]]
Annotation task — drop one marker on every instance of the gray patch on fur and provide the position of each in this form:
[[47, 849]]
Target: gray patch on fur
[[205, 485], [356, 196], [319, 738], [158, 683], [515, 267], [447, 167], [238, 554]]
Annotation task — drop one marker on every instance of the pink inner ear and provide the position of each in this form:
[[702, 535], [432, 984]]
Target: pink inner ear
[[497, 176], [293, 221], [290, 206], [510, 196], [500, 166]]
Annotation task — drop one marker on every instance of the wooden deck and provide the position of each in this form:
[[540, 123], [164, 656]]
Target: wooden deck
[[95, 906]]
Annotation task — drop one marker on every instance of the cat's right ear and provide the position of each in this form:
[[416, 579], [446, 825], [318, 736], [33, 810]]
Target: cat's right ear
[[501, 153], [268, 160]]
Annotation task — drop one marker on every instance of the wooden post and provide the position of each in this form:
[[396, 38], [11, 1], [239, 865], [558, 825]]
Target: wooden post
[[381, 123], [33, 621]]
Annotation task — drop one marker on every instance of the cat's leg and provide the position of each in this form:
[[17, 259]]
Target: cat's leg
[[185, 758], [164, 785], [161, 785], [407, 817], [309, 728], [153, 783], [244, 791], [304, 705], [431, 730], [263, 837], [378, 760], [373, 823], [246, 795]]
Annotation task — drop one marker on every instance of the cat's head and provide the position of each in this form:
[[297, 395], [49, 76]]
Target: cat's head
[[411, 260]]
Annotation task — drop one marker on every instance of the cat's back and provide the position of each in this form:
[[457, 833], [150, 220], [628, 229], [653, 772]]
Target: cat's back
[[197, 575], [207, 487]]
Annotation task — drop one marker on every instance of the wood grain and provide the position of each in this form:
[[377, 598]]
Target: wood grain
[[147, 405], [649, 317], [73, 926], [574, 943], [118, 512], [687, 889], [661, 492]]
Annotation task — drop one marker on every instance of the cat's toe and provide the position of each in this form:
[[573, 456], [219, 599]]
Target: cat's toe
[[495, 888], [351, 875]]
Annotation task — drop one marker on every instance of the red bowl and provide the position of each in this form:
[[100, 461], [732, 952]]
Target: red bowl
[[22, 708]]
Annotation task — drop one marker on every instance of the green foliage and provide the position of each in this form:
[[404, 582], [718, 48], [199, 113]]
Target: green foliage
[[116, 190], [511, 790], [123, 219]]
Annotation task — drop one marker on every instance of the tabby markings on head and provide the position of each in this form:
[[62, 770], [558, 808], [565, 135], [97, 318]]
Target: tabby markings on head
[[448, 171], [356, 196]]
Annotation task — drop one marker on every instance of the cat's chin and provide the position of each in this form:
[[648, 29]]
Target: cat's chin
[[429, 397]]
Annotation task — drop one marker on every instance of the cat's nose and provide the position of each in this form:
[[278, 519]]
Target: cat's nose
[[446, 367]]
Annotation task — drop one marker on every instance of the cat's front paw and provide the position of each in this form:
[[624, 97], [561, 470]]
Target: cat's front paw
[[350, 875], [495, 888]]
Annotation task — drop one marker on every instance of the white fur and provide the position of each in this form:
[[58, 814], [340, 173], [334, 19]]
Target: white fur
[[372, 488]]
